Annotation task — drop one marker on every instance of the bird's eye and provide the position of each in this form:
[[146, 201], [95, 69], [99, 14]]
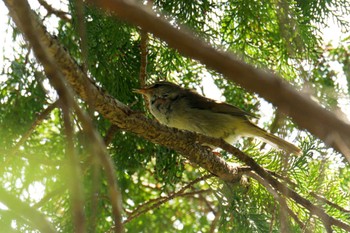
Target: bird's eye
[[156, 85]]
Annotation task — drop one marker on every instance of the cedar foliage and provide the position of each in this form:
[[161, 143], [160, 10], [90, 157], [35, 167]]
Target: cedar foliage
[[278, 35]]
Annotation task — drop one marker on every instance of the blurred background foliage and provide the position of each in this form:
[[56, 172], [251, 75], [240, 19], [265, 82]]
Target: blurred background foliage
[[282, 36]]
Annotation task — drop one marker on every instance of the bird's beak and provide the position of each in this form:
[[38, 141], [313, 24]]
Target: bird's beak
[[142, 91]]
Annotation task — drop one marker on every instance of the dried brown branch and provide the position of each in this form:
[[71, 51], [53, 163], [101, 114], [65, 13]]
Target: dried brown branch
[[25, 211], [305, 112]]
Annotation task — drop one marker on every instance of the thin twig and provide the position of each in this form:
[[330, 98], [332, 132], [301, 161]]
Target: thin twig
[[214, 222], [49, 196], [283, 178], [332, 204], [99, 149], [161, 200], [81, 26], [144, 52], [96, 184], [42, 116], [113, 129], [273, 215], [207, 203], [28, 23], [298, 221], [283, 204], [50, 10]]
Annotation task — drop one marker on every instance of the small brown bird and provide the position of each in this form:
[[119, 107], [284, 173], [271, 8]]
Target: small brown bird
[[185, 109]]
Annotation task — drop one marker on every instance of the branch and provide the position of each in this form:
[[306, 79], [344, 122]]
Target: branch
[[331, 204], [305, 112], [161, 200], [37, 121], [76, 188], [143, 48], [279, 198], [49, 196], [25, 22], [50, 10], [112, 130]]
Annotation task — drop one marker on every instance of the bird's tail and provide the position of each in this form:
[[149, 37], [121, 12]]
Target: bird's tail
[[273, 140]]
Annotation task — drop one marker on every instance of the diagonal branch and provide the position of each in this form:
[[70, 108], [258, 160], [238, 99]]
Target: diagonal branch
[[23, 19], [331, 204], [37, 121], [305, 112], [155, 203], [50, 10]]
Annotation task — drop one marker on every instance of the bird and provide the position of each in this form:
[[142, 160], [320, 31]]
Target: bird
[[185, 109]]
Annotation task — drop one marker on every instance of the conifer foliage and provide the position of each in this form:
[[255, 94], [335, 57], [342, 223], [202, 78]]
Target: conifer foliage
[[81, 152]]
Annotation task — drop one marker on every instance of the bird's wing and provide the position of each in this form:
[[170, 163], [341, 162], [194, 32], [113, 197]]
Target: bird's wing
[[200, 102]]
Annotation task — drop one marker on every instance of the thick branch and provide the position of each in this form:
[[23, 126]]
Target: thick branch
[[305, 112]]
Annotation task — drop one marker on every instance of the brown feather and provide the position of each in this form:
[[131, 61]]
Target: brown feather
[[200, 102]]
